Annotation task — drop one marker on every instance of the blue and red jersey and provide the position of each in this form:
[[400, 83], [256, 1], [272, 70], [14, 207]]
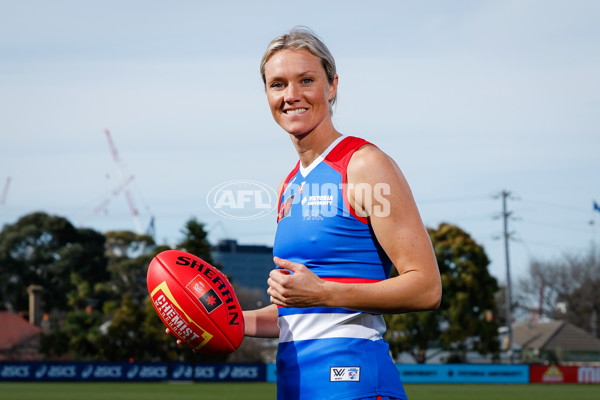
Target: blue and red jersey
[[331, 353]]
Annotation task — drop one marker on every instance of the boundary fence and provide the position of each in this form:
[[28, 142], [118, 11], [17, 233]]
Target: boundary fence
[[241, 372]]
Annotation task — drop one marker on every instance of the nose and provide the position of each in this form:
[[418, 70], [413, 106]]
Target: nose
[[292, 93]]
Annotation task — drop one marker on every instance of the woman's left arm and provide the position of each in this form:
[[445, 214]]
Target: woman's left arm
[[379, 192]]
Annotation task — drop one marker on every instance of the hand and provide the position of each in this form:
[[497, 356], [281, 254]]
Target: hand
[[300, 290], [168, 332], [179, 341]]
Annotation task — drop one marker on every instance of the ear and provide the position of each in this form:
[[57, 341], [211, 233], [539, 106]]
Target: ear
[[333, 88]]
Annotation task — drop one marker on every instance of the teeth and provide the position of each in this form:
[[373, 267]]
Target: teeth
[[296, 111]]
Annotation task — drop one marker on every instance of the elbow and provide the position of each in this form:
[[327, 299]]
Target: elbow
[[434, 294], [436, 300], [433, 297]]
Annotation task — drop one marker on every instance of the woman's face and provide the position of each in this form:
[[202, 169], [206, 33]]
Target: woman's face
[[298, 91]]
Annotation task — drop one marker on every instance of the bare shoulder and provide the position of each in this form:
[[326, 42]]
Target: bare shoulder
[[370, 162], [280, 187]]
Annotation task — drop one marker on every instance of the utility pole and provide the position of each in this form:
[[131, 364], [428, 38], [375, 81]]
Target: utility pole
[[4, 192], [505, 215]]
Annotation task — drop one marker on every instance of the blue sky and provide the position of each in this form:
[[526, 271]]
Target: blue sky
[[469, 97]]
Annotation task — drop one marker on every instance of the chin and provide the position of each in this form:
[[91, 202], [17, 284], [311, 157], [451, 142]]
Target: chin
[[295, 130]]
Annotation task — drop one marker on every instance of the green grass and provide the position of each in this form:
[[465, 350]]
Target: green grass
[[136, 391], [503, 392], [266, 391]]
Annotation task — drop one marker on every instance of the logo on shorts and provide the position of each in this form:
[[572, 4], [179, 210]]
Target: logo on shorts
[[344, 374], [203, 292]]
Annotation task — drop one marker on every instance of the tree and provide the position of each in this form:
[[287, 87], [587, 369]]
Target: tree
[[133, 329], [44, 250], [413, 333], [463, 321], [565, 288], [195, 241], [129, 255]]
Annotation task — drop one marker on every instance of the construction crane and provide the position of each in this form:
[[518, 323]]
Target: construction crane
[[5, 192], [102, 206], [124, 183]]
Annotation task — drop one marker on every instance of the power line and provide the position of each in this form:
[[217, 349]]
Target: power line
[[555, 205], [562, 227], [453, 200]]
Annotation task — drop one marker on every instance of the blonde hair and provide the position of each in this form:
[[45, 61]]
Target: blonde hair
[[301, 37]]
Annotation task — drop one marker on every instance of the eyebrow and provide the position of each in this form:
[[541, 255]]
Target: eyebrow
[[278, 78]]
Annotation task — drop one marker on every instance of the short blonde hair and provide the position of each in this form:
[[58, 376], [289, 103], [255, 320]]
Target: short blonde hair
[[301, 37]]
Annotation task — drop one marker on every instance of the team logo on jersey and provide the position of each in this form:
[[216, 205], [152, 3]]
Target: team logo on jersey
[[286, 208], [344, 374]]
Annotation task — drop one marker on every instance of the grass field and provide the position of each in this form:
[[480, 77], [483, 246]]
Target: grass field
[[266, 391]]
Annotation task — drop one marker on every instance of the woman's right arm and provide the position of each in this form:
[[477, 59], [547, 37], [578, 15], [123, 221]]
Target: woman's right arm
[[257, 323], [262, 322]]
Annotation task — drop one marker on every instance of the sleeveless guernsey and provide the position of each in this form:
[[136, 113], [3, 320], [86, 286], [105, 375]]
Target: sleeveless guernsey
[[330, 353]]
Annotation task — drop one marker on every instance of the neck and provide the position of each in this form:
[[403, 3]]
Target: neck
[[310, 145]]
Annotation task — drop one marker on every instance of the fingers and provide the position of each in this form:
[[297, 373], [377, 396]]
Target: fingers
[[287, 264], [278, 280], [168, 332]]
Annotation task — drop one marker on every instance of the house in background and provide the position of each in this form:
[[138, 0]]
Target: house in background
[[555, 342], [19, 339], [20, 333]]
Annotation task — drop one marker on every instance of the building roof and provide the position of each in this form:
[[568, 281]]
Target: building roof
[[15, 330], [554, 335]]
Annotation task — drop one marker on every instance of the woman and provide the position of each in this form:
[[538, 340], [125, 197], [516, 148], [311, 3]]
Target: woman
[[346, 214]]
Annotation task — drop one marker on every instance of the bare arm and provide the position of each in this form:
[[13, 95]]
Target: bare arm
[[378, 191], [257, 323], [261, 322]]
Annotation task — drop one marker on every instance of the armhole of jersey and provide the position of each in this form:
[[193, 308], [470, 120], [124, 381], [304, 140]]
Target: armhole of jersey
[[346, 202], [338, 159], [284, 186]]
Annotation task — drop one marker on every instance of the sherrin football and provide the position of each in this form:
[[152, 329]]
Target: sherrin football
[[196, 302]]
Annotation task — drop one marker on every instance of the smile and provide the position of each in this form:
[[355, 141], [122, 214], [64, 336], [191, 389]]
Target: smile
[[295, 111]]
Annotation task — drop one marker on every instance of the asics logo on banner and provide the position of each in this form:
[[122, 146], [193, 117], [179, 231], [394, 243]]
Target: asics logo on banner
[[15, 371], [183, 371], [344, 374]]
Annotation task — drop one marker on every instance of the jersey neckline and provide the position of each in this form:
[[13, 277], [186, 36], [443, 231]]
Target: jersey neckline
[[305, 171]]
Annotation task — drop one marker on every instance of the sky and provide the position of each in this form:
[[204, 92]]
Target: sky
[[470, 98]]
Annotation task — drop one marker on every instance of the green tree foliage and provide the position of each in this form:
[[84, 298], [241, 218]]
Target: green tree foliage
[[96, 285], [44, 250], [125, 337], [195, 240], [129, 255], [464, 320]]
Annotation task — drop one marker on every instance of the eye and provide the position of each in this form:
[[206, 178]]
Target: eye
[[276, 85], [307, 81]]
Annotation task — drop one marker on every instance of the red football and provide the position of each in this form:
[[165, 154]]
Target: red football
[[196, 302]]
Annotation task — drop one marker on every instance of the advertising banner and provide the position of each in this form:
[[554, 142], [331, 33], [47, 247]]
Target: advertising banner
[[463, 373], [218, 372], [83, 371], [564, 374], [134, 372]]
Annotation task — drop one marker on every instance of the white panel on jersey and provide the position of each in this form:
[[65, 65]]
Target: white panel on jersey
[[334, 325], [321, 157]]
